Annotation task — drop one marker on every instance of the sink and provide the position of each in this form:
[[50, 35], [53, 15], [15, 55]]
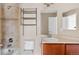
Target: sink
[[49, 40]]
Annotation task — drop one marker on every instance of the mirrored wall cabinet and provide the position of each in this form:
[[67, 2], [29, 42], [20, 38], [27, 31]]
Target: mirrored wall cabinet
[[70, 20], [49, 23]]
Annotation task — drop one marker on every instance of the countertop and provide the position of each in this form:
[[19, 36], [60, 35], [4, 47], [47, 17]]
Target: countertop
[[57, 40]]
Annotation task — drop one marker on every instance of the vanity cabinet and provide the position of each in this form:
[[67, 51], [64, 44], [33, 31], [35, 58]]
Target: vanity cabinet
[[53, 49], [60, 49], [72, 49]]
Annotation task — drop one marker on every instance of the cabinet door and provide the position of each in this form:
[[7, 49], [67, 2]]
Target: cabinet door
[[72, 49], [53, 49]]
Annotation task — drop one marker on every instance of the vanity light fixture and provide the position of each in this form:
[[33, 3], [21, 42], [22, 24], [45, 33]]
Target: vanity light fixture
[[48, 4]]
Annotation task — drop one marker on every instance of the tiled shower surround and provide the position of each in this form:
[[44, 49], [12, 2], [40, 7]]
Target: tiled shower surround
[[9, 29], [9, 35]]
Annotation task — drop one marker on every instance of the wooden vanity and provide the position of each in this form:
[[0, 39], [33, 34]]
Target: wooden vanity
[[60, 48]]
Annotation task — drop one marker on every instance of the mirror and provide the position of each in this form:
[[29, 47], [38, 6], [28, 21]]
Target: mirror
[[48, 23], [69, 21], [52, 25]]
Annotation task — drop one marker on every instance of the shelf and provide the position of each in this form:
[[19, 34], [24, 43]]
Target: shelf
[[29, 9], [29, 12], [29, 24], [29, 18]]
